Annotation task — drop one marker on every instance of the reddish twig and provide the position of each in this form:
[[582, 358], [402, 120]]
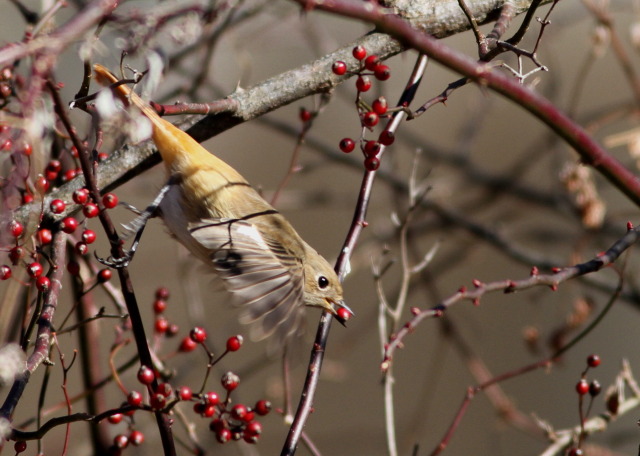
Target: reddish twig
[[510, 286], [117, 251], [544, 363], [342, 266], [45, 323], [589, 150]]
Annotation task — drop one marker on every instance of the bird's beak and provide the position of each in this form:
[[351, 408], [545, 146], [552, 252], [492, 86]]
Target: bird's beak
[[340, 311]]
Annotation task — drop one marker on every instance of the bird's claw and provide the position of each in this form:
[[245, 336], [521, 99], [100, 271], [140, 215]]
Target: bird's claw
[[116, 263]]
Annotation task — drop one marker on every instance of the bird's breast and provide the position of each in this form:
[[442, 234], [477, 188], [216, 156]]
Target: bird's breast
[[177, 215]]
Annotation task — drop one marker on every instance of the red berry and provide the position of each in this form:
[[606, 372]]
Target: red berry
[[347, 145], [165, 389], [387, 138], [239, 411], [187, 344], [15, 228], [50, 175], [34, 269], [162, 293], [70, 174], [249, 438], [43, 284], [57, 206], [102, 156], [371, 148], [20, 446], [146, 375], [382, 72], [82, 248], [305, 115], [262, 407], [363, 83], [27, 198], [55, 166], [27, 149], [250, 416], [593, 360], [370, 119], [230, 381], [234, 343], [134, 398], [159, 306], [582, 387], [253, 428], [575, 452], [223, 435], [372, 163], [81, 196], [158, 401], [5, 272], [379, 106], [90, 210], [44, 236], [136, 438], [199, 407], [217, 425], [110, 200], [211, 398], [73, 267], [595, 388], [343, 314], [198, 334], [15, 254], [161, 325], [121, 441], [185, 393], [74, 151], [359, 52], [371, 62], [115, 418], [69, 225], [339, 68], [104, 275], [208, 411], [172, 330], [89, 236], [42, 184]]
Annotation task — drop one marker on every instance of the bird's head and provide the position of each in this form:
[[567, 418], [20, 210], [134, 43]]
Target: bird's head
[[323, 289]]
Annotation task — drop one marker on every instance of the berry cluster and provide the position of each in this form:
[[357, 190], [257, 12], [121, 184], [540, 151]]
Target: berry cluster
[[368, 65], [229, 421], [583, 387], [44, 236], [162, 326]]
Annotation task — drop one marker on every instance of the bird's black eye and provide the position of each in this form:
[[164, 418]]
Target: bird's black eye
[[323, 282]]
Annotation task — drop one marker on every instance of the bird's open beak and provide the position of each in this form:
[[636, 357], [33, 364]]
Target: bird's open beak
[[340, 311]]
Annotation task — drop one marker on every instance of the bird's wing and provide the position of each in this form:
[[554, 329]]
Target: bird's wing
[[263, 278]]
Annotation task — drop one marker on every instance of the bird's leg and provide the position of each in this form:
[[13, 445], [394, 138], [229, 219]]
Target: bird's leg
[[137, 226]]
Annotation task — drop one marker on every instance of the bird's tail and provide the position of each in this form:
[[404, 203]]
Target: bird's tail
[[180, 152], [125, 94]]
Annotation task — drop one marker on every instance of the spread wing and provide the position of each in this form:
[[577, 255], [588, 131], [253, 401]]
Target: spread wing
[[262, 276]]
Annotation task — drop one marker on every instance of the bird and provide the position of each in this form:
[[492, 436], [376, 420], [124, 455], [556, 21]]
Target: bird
[[270, 271]]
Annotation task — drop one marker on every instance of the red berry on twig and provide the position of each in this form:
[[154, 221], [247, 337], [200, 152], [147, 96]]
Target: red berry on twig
[[359, 52], [371, 62], [347, 145], [339, 68], [363, 83]]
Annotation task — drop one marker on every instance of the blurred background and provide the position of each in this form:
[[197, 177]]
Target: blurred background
[[495, 174]]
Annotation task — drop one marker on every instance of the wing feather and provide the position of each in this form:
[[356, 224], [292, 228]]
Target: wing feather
[[262, 277]]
